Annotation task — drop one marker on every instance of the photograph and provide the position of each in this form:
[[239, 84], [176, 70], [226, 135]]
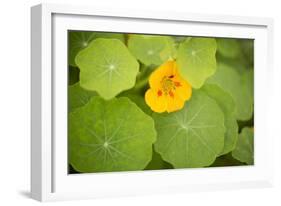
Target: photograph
[[139, 102]]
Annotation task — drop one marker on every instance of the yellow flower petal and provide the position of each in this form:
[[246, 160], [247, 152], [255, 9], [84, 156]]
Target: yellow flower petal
[[174, 103], [156, 102], [184, 91], [165, 69], [168, 90]]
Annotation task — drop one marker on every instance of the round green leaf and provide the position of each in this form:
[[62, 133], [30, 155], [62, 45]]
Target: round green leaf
[[77, 96], [228, 47], [196, 59], [228, 106], [230, 80], [244, 151], [193, 136], [79, 40], [107, 66], [112, 135], [151, 49]]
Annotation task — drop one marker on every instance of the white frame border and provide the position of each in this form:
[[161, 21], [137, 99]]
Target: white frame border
[[42, 89]]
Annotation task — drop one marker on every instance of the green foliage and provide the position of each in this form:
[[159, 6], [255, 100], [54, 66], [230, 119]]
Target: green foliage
[[228, 47], [244, 151], [77, 96], [247, 50], [193, 136], [111, 127], [136, 94], [247, 82], [110, 135], [237, 53], [106, 66], [78, 40], [138, 99], [151, 49], [196, 60], [141, 84], [231, 81], [227, 105]]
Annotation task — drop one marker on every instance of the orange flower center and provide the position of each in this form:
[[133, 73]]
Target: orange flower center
[[168, 86]]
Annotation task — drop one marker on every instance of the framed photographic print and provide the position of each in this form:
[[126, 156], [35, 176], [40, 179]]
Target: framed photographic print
[[133, 102]]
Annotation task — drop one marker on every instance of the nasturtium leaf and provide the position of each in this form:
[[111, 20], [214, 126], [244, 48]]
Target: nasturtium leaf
[[79, 40], [228, 106], [196, 59], [113, 135], [157, 163], [77, 96], [193, 136], [244, 150], [228, 47], [107, 66], [230, 80], [151, 49]]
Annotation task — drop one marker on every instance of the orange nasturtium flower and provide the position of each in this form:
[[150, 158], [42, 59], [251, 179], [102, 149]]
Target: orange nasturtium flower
[[168, 90]]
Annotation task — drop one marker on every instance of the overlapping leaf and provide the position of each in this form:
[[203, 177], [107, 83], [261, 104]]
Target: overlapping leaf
[[231, 81], [107, 66], [196, 60], [244, 150], [77, 96], [112, 135], [78, 40], [193, 136], [151, 49], [228, 106]]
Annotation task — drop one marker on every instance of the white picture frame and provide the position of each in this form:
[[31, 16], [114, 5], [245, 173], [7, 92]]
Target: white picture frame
[[49, 178]]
